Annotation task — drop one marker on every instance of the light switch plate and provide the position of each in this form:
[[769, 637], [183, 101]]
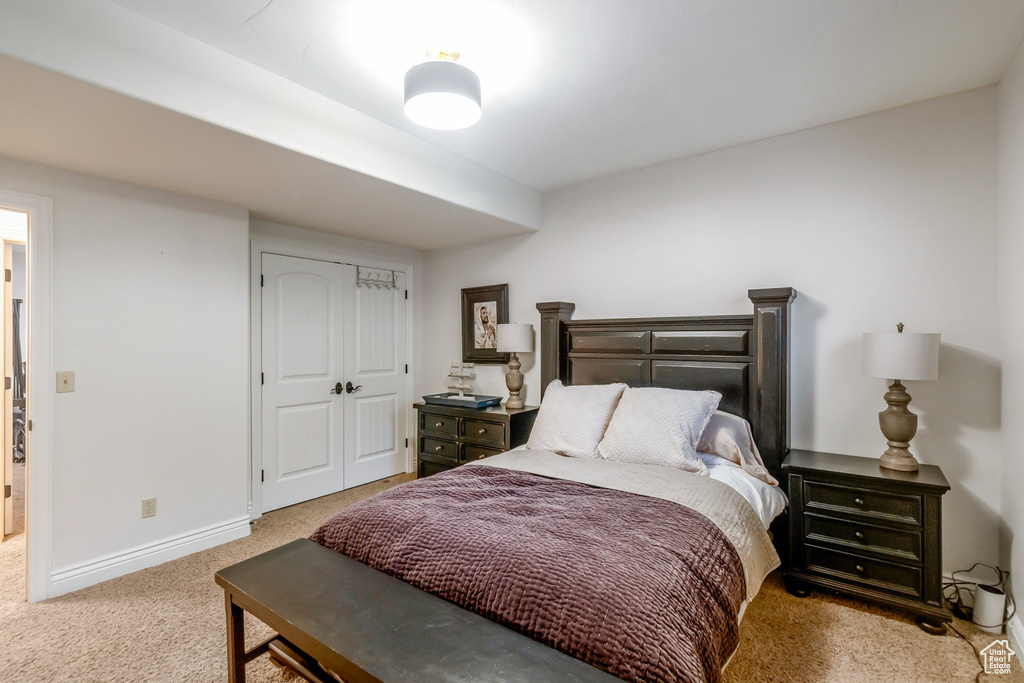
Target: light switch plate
[[65, 382]]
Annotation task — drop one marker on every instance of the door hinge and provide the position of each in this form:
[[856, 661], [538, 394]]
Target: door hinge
[[261, 476], [29, 425], [407, 294], [407, 368], [7, 490], [7, 274], [407, 443], [261, 378], [261, 279]]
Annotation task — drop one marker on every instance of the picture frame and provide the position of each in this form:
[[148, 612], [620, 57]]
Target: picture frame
[[483, 308]]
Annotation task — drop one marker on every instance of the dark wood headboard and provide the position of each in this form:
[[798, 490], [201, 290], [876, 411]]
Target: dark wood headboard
[[744, 357]]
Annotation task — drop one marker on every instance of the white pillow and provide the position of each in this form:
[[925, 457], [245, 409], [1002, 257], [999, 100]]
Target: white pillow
[[572, 420], [729, 436], [659, 427]]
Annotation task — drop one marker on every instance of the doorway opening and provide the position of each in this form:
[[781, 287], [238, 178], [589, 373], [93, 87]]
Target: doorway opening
[[14, 340]]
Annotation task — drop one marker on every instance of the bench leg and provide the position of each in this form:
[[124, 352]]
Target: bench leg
[[236, 641]]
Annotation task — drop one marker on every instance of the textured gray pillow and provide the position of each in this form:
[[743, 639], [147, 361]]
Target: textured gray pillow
[[572, 420], [656, 426]]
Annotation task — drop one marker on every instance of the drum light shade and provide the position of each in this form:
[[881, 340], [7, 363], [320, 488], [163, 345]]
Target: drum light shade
[[442, 95], [901, 355], [515, 338]]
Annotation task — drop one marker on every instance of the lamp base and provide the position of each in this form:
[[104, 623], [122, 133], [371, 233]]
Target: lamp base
[[514, 382], [899, 426]]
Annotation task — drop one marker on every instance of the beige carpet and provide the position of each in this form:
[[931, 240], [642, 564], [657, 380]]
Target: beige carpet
[[167, 624]]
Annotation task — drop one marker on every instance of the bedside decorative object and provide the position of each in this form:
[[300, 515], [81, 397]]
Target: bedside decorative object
[[483, 309], [457, 377], [897, 356], [447, 437], [448, 398], [514, 338], [869, 532]]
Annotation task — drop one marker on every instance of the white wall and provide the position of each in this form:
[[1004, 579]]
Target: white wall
[[310, 239], [1011, 313], [876, 220], [150, 310]]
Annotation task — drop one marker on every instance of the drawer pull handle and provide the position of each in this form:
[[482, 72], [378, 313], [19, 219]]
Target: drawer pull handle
[[858, 501], [859, 535], [480, 457], [438, 425], [481, 431], [437, 449], [859, 568]]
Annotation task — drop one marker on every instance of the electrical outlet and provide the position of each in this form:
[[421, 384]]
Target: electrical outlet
[[149, 508]]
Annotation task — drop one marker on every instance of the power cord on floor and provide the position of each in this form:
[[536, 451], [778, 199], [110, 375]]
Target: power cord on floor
[[959, 586], [977, 652], [961, 611]]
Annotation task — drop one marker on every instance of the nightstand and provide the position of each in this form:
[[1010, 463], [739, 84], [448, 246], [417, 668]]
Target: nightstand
[[447, 436], [869, 532]]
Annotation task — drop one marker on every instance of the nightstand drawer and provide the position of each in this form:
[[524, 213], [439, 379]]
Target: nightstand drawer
[[876, 574], [481, 431], [442, 425], [471, 453], [442, 452], [880, 505], [895, 544]]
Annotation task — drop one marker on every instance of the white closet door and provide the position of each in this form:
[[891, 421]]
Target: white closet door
[[307, 334], [376, 412]]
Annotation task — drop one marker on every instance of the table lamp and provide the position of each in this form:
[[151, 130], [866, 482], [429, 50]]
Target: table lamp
[[514, 338], [898, 356]]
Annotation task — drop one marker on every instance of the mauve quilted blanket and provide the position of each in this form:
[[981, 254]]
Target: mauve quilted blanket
[[646, 589]]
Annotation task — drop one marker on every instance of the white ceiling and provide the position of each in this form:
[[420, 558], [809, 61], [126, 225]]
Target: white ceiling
[[577, 89]]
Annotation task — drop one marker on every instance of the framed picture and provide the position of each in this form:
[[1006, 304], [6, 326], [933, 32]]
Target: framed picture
[[482, 309]]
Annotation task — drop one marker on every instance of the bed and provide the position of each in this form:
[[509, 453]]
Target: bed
[[604, 567]]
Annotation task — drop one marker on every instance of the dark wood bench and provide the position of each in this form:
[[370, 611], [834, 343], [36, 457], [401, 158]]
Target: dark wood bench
[[331, 611]]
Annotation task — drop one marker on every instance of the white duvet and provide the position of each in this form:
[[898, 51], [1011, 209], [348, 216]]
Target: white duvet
[[767, 501]]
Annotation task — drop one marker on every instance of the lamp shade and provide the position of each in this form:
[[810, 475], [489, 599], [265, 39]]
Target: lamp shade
[[901, 355], [515, 338], [442, 95]]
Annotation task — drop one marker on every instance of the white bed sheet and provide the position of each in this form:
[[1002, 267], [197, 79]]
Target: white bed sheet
[[768, 501]]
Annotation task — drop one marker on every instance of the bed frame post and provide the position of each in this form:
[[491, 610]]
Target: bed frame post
[[770, 400], [552, 315]]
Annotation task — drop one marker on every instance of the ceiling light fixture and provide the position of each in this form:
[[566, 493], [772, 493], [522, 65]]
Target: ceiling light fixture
[[441, 94]]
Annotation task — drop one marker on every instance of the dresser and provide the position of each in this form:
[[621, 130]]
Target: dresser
[[448, 436], [865, 531]]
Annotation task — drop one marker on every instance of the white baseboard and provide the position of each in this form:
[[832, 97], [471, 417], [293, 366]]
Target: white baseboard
[[1015, 632], [119, 564]]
